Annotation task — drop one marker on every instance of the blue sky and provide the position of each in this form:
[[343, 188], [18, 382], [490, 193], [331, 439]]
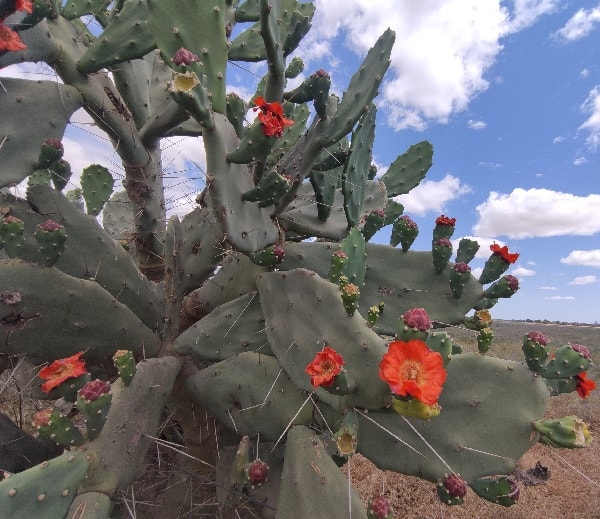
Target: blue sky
[[508, 92]]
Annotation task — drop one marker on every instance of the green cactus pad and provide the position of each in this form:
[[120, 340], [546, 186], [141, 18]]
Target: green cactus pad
[[356, 167], [117, 455], [303, 216], [199, 28], [59, 319], [231, 328], [483, 429], [408, 169], [77, 8], [46, 490], [409, 285], [566, 362], [90, 505], [290, 298], [256, 395], [11, 235], [105, 260], [47, 110], [309, 471], [96, 184]]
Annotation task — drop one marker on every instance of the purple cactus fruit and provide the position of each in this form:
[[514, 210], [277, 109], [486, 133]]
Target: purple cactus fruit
[[461, 267], [321, 73], [49, 226], [94, 389], [185, 57], [54, 143], [379, 508], [513, 282], [340, 254], [455, 485], [278, 252], [408, 221], [443, 242], [417, 318], [582, 350], [379, 212], [257, 472], [538, 337]]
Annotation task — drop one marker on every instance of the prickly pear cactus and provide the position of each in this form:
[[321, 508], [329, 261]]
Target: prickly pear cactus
[[307, 350]]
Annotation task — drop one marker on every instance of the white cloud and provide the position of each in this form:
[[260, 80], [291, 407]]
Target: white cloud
[[558, 140], [585, 72], [547, 288], [492, 165], [432, 196], [580, 24], [528, 213], [579, 161], [584, 280], [592, 106], [523, 272], [527, 12], [442, 52], [585, 258], [476, 125], [560, 298]]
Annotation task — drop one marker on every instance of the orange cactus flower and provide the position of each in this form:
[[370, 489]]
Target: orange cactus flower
[[503, 253], [9, 39], [271, 117], [584, 385], [60, 370], [325, 367], [412, 369]]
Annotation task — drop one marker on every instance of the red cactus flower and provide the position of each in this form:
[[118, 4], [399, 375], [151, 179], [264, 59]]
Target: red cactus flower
[[584, 385], [9, 39], [412, 369], [445, 220], [271, 117], [325, 367], [417, 318], [24, 5], [503, 253], [60, 370]]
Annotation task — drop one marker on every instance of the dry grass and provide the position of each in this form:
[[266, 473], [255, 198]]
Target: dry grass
[[167, 490]]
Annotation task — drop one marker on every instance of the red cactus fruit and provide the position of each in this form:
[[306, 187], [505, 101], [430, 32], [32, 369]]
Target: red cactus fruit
[[321, 73], [257, 472], [417, 318], [94, 389], [513, 282], [455, 486]]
